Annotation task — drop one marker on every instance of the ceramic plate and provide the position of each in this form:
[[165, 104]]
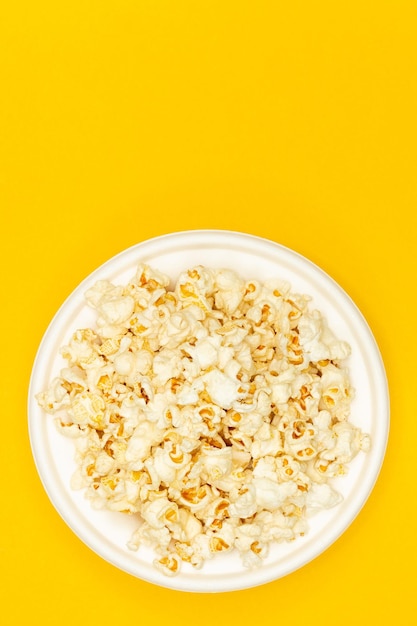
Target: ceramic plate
[[252, 257]]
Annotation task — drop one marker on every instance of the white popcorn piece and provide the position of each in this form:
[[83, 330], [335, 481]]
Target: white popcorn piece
[[160, 512], [270, 495], [318, 341], [88, 408], [267, 441], [56, 397], [217, 410], [140, 443], [83, 350], [206, 351], [245, 504], [104, 464], [222, 389], [69, 429], [166, 365], [321, 497], [117, 310], [216, 463], [190, 525], [250, 541]]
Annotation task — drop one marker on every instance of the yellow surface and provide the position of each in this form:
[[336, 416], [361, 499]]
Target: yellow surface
[[125, 120]]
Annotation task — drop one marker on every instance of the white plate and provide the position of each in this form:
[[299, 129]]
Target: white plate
[[107, 533]]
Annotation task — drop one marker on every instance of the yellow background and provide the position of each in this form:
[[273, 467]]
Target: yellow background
[[124, 120]]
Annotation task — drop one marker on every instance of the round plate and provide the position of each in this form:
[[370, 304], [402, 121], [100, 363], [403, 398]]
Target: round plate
[[107, 533]]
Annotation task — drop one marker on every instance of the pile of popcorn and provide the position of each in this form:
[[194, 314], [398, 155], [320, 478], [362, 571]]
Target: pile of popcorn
[[216, 411]]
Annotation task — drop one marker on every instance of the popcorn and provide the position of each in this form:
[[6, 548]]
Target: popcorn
[[217, 410], [321, 497], [245, 505], [216, 463], [222, 389]]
